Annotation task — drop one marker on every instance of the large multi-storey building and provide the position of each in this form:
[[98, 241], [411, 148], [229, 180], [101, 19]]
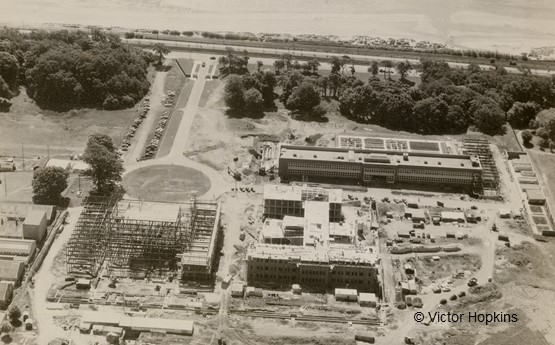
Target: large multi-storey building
[[280, 201], [316, 268], [431, 163], [306, 240]]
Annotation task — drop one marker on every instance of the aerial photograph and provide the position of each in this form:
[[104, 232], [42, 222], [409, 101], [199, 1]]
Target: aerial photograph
[[263, 172]]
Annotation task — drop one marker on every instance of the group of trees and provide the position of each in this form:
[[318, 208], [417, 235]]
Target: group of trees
[[249, 94], [105, 171], [448, 100], [63, 70]]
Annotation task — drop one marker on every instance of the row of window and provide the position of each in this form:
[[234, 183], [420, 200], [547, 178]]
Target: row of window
[[272, 202], [431, 179], [324, 173], [305, 279], [328, 166], [438, 172]]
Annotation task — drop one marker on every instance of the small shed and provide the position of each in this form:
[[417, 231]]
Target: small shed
[[6, 294], [237, 289], [11, 271], [34, 226], [504, 213], [365, 337], [83, 284], [535, 197], [296, 288], [453, 217], [367, 300], [412, 287], [408, 268], [418, 215], [347, 295]]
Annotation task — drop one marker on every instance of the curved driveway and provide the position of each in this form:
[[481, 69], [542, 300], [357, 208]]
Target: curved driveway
[[218, 182]]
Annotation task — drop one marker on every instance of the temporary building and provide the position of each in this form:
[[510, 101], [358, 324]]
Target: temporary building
[[6, 293], [535, 197], [17, 247], [367, 300], [365, 337], [149, 324], [504, 213], [296, 288], [237, 289], [453, 217], [34, 226], [346, 294], [11, 271]]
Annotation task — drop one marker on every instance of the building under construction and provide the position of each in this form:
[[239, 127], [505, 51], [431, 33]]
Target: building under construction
[[137, 239]]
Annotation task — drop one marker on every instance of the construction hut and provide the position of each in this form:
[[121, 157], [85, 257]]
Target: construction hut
[[11, 271], [6, 294], [453, 217], [504, 213], [237, 289], [83, 284], [296, 288], [367, 300], [418, 215], [149, 324], [535, 197], [408, 268], [17, 249], [34, 226], [254, 292], [346, 295]]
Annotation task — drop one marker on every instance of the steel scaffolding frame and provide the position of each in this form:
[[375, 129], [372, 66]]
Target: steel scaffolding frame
[[134, 247]]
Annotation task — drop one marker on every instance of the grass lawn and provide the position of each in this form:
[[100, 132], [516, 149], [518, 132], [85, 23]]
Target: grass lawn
[[166, 183], [16, 186]]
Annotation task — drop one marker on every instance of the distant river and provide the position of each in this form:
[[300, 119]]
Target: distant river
[[504, 25]]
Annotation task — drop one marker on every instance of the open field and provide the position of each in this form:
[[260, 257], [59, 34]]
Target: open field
[[165, 183], [43, 132]]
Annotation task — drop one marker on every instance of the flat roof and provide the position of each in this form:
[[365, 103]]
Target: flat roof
[[151, 323], [9, 269], [535, 194], [272, 228], [346, 291], [378, 157], [98, 317], [4, 288], [367, 297], [330, 253], [302, 193], [452, 215], [35, 217], [19, 245]]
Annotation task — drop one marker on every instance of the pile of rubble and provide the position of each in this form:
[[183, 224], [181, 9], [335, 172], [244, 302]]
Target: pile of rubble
[[131, 133]]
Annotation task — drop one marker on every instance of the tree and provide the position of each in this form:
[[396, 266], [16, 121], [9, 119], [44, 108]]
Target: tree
[[48, 184], [6, 328], [429, 115], [9, 69], [403, 68], [234, 94], [259, 65], [374, 68], [254, 103], [303, 97], [544, 143], [488, 117], [161, 50], [389, 65], [551, 145], [279, 65], [313, 64], [105, 166], [336, 64], [14, 313], [521, 114], [526, 137]]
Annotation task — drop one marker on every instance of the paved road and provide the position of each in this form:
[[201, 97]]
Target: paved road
[[308, 54], [219, 183]]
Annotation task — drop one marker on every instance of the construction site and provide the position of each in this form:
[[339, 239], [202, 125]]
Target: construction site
[[136, 239]]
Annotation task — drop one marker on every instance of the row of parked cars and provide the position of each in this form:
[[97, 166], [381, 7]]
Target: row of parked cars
[[152, 148], [133, 128], [170, 98]]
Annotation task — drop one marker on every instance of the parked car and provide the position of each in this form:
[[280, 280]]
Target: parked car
[[473, 282], [453, 298], [462, 294]]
